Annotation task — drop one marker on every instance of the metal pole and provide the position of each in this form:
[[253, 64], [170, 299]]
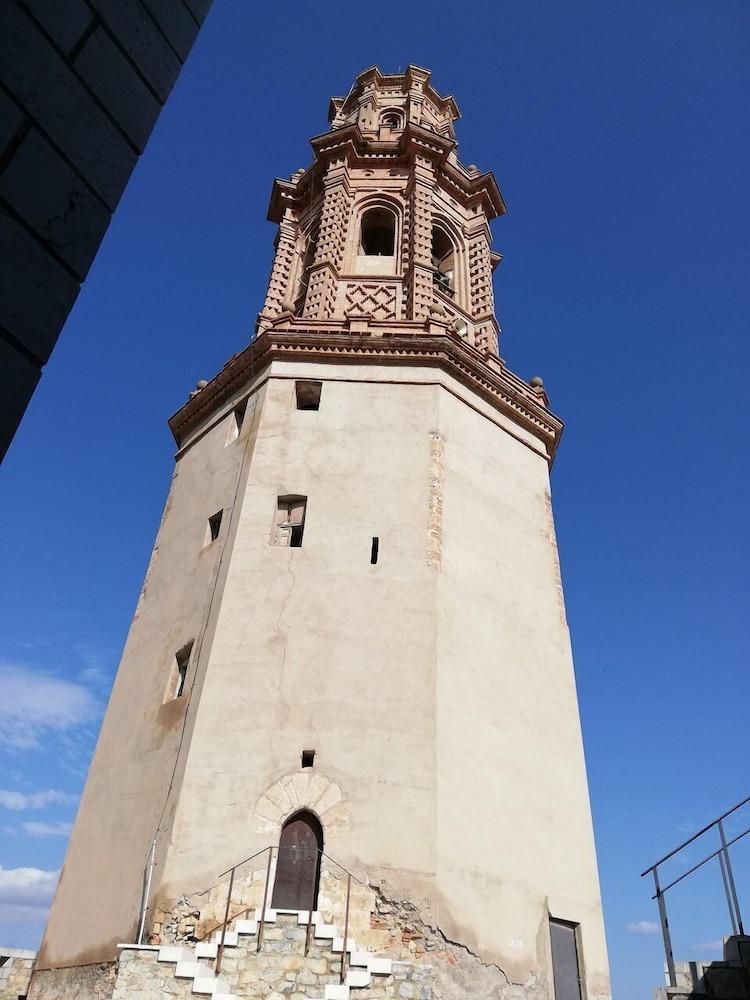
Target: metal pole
[[722, 865], [147, 890], [346, 927], [665, 931], [220, 954], [265, 897], [730, 877]]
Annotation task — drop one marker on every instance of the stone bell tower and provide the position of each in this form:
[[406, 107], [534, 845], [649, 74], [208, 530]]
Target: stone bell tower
[[345, 727]]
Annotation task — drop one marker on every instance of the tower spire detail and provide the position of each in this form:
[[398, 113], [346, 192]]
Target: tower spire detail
[[387, 224]]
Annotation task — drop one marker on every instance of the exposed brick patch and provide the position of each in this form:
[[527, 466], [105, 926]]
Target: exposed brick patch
[[435, 502]]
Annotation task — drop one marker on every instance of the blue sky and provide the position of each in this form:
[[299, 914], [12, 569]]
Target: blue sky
[[618, 133]]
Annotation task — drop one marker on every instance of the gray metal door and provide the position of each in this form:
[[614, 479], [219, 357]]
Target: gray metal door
[[565, 961]]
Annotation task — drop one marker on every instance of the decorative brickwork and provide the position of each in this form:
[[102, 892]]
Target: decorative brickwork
[[279, 292], [481, 294], [321, 293], [371, 299], [332, 235], [480, 278]]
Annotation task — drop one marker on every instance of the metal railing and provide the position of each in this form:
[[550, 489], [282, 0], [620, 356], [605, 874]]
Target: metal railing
[[727, 877], [301, 853]]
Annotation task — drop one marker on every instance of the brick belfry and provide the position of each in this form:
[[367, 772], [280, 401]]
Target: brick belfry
[[345, 722]]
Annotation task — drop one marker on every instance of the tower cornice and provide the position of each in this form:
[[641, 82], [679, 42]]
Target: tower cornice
[[405, 343], [360, 150], [414, 79]]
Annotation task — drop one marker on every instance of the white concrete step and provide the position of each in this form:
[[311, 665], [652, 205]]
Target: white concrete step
[[206, 949], [230, 938], [379, 966], [338, 944], [191, 970], [175, 953], [325, 931], [358, 978], [336, 992], [209, 985]]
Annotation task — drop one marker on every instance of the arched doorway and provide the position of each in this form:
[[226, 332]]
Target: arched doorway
[[298, 863]]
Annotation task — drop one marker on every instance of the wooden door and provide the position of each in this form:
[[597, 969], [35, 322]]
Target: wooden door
[[298, 864]]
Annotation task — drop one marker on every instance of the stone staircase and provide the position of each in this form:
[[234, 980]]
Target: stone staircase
[[279, 971], [725, 980]]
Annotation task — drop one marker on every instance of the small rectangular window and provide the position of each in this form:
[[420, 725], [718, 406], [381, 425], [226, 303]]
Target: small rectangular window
[[374, 551], [308, 758], [290, 521], [214, 527], [179, 672], [236, 420], [308, 395]]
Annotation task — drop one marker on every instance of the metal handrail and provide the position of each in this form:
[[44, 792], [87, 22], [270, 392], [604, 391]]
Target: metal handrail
[[228, 919], [727, 877], [695, 836], [701, 863]]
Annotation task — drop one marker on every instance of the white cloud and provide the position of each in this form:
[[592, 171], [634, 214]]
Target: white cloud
[[25, 894], [18, 801], [709, 946], [36, 703], [643, 927], [57, 829]]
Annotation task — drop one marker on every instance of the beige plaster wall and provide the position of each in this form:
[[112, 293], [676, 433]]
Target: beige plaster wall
[[436, 687], [317, 648], [513, 832], [98, 896], [439, 698]]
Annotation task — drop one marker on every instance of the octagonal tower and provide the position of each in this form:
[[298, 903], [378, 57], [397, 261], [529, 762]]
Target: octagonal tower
[[351, 643]]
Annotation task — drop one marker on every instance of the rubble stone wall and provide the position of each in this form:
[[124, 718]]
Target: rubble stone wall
[[84, 982], [15, 972]]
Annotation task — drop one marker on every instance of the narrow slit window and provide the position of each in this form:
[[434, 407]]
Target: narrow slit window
[[214, 526], [374, 550], [308, 395], [180, 669], [308, 758], [290, 521], [236, 420]]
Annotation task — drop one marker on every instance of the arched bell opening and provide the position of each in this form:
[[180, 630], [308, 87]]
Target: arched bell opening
[[392, 120], [378, 233], [443, 261], [298, 863]]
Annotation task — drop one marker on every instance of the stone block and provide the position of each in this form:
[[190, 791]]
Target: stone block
[[122, 92], [42, 83], [11, 119], [53, 200], [64, 23], [199, 9], [142, 41], [292, 963], [176, 23], [36, 293]]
